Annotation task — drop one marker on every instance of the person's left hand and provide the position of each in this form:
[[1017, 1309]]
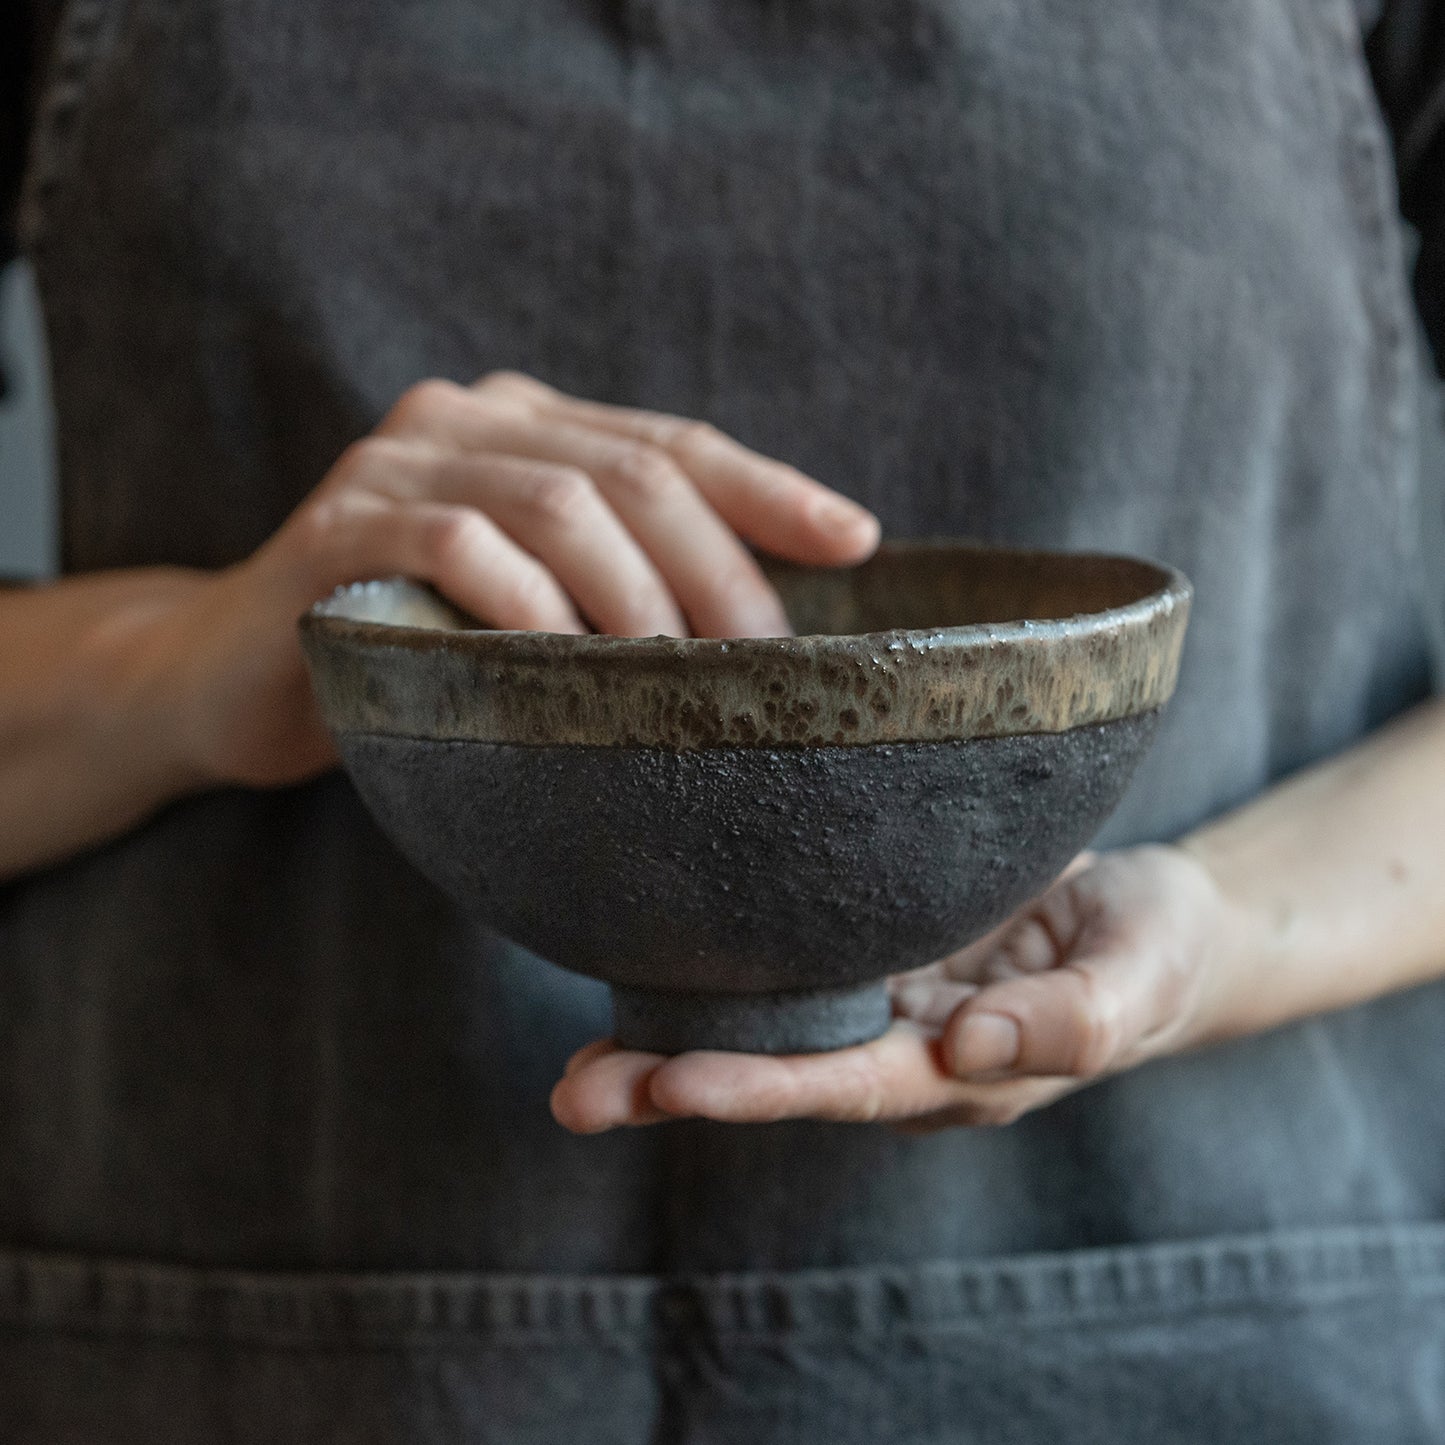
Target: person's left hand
[[1123, 959]]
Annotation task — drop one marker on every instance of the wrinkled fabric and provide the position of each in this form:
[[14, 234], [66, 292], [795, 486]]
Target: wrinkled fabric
[[275, 1156], [1407, 56], [1265, 1340]]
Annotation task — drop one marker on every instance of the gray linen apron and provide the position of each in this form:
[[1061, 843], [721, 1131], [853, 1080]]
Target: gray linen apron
[[275, 1157]]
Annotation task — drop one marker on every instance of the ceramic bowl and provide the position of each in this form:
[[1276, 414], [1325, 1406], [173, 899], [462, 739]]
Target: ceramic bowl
[[744, 836]]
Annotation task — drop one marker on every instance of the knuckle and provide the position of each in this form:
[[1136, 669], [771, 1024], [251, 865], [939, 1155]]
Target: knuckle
[[365, 462], [696, 437], [326, 535], [511, 384], [353, 465], [558, 496], [1098, 1031], [420, 405], [451, 535], [645, 474], [317, 526]]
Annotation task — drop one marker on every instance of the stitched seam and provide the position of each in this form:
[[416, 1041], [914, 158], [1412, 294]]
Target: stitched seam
[[647, 1339], [1273, 1274]]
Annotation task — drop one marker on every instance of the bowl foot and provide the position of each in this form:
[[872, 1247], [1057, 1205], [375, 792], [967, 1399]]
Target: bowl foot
[[806, 1022]]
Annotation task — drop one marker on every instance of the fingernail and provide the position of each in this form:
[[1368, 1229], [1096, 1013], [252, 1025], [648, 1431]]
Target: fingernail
[[839, 512], [984, 1042]]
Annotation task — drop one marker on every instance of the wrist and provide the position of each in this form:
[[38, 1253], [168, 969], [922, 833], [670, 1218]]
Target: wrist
[[126, 691], [1251, 941], [88, 747]]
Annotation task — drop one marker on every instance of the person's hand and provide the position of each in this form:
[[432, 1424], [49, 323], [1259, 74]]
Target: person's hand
[[1125, 958], [525, 507]]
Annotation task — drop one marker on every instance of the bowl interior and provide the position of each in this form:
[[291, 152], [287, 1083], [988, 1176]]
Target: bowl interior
[[903, 587], [927, 586]]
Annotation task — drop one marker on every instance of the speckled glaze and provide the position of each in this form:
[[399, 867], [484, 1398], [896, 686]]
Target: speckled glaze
[[925, 642], [745, 837]]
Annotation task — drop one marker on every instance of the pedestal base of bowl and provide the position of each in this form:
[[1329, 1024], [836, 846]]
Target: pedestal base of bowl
[[807, 1022]]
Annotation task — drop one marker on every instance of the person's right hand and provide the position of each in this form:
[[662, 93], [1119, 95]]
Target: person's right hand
[[529, 509]]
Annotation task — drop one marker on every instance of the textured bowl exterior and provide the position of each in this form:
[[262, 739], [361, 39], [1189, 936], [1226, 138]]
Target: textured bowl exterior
[[746, 869]]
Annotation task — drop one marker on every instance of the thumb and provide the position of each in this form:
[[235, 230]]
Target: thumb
[[1079, 1020]]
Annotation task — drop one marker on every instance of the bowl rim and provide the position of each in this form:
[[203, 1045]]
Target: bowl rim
[[328, 617], [912, 685]]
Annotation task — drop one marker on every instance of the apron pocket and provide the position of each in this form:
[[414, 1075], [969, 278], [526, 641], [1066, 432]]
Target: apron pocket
[[102, 1352]]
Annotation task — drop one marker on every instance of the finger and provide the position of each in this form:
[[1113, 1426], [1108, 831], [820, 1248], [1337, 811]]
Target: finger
[[556, 513], [989, 1105], [927, 997], [1079, 1021], [350, 536], [598, 1048], [1032, 939], [894, 1076], [720, 587], [438, 411], [770, 503], [474, 563], [718, 584], [993, 956], [1027, 947], [605, 1090]]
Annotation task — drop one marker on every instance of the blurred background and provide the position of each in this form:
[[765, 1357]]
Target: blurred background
[[28, 522]]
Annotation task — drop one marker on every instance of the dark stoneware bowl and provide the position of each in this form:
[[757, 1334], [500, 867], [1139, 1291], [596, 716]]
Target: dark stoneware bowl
[[744, 836]]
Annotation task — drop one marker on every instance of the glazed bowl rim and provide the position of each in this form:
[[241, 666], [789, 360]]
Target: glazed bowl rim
[[942, 684], [328, 619]]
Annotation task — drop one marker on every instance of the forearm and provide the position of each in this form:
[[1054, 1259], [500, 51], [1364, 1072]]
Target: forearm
[[87, 746], [1336, 880]]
